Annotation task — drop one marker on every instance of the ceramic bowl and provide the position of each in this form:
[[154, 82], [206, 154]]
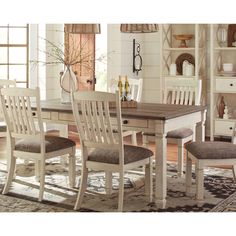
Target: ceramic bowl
[[227, 67]]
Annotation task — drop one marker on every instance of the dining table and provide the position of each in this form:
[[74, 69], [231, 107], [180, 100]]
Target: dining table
[[145, 117]]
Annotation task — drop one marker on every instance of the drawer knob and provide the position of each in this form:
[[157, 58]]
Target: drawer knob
[[231, 84], [230, 128], [125, 122], [33, 113]]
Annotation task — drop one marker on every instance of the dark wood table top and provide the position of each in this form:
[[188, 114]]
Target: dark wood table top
[[153, 111]]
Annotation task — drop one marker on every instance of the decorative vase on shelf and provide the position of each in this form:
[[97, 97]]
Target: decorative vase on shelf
[[221, 107], [221, 35], [68, 82]]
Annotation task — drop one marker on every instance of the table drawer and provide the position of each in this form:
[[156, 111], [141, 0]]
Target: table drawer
[[225, 85], [132, 123], [224, 127]]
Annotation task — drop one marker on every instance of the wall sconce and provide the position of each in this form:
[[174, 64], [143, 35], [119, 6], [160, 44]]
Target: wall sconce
[[137, 59]]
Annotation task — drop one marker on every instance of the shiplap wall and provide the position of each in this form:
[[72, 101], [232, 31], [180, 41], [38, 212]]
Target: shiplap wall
[[120, 59]]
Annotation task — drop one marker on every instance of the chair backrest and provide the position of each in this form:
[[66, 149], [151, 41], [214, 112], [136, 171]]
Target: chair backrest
[[95, 126], [22, 121], [136, 87], [182, 91], [4, 83]]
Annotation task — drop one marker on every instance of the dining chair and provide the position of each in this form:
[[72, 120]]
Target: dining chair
[[4, 83], [26, 136], [136, 88], [101, 151], [211, 153], [184, 91]]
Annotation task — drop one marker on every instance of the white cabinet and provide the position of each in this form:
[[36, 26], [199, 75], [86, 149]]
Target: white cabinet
[[172, 53], [222, 83]]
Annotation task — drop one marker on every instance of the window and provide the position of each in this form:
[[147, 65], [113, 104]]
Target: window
[[14, 48]]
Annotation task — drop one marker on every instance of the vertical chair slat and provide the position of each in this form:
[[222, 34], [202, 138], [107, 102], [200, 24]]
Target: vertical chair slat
[[177, 96], [10, 111], [27, 124], [85, 119], [191, 92], [96, 116], [103, 123], [30, 115], [109, 126], [90, 121], [15, 113], [21, 115]]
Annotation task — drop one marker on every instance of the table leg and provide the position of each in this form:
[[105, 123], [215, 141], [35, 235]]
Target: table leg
[[200, 130], [161, 178]]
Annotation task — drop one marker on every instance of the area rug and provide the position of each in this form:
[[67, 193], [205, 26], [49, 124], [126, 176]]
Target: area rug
[[59, 197]]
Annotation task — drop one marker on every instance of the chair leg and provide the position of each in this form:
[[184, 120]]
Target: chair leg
[[199, 182], [180, 165], [121, 191], [145, 141], [149, 180], [83, 186], [10, 174], [37, 170], [108, 183], [188, 175], [134, 138], [42, 179], [72, 167], [234, 172]]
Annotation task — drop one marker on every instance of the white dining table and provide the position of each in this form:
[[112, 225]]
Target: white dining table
[[146, 117]]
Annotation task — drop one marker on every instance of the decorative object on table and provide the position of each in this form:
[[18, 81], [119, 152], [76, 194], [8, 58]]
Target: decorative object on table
[[232, 35], [181, 58], [227, 70], [221, 35], [173, 69], [226, 113], [120, 86], [183, 38], [68, 83], [221, 107]]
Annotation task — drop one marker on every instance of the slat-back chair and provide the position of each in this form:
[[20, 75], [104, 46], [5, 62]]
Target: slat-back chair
[[101, 150], [210, 153], [26, 135], [136, 88], [181, 91], [4, 83]]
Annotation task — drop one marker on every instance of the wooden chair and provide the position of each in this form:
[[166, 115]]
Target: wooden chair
[[184, 91], [26, 135], [136, 88], [5, 84], [100, 149], [208, 154]]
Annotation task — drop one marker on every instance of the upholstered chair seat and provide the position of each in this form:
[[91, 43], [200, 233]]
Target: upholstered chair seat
[[131, 154], [52, 143], [212, 150], [178, 133]]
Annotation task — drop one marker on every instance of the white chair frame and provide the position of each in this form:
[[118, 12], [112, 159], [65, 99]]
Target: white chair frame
[[136, 88], [25, 123], [91, 111], [199, 171], [180, 91]]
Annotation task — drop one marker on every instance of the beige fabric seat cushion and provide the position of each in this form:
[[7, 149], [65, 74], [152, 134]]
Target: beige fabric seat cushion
[[178, 133], [212, 150], [52, 144], [131, 154]]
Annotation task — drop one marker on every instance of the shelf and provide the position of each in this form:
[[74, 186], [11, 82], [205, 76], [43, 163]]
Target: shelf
[[225, 48], [215, 92], [224, 77], [179, 49], [179, 76]]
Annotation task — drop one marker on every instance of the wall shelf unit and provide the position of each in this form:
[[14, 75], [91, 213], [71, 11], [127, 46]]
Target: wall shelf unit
[[196, 47], [221, 84]]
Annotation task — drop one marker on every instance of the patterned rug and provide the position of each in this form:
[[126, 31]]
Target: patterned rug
[[58, 197]]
